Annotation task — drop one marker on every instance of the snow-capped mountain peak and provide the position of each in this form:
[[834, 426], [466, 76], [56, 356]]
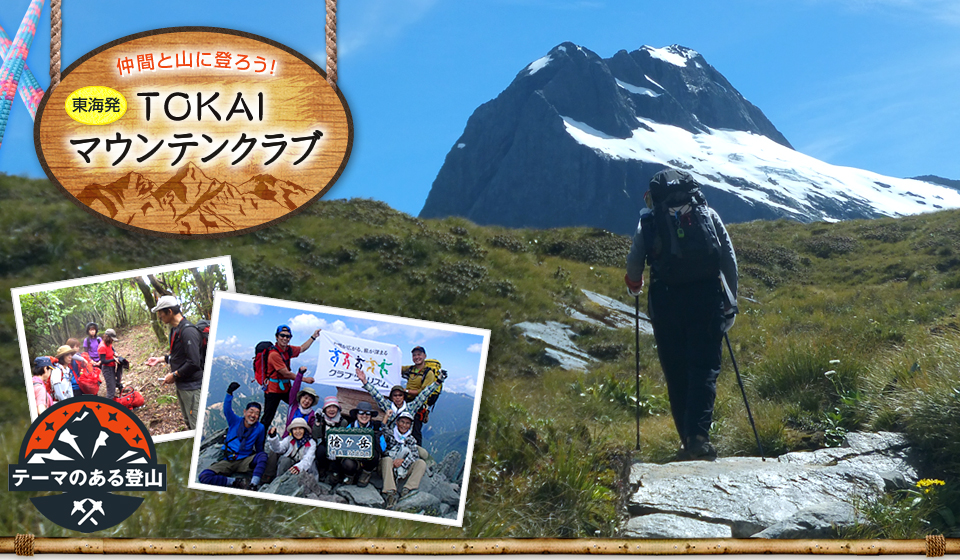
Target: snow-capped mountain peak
[[575, 139]]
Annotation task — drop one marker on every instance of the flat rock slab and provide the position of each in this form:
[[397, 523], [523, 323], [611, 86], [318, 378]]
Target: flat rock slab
[[666, 526], [618, 314], [749, 495], [367, 496]]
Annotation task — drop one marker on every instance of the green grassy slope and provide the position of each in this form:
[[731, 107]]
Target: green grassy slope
[[552, 448]]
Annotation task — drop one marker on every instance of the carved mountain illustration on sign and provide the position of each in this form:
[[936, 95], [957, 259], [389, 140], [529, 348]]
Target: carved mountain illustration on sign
[[192, 200], [575, 139]]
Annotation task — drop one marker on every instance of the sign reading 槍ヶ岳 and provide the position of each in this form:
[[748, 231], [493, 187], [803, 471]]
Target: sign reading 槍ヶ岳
[[193, 131]]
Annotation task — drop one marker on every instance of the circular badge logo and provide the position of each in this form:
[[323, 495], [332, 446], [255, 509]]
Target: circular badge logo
[[87, 448]]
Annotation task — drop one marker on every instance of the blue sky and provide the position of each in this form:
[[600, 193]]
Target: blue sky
[[244, 322], [861, 83]]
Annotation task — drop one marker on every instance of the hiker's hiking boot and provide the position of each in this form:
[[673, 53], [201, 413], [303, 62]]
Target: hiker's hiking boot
[[241, 484], [391, 499], [348, 479], [407, 492], [700, 449], [364, 478]]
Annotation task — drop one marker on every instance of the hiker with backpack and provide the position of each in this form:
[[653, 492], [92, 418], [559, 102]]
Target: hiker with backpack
[[242, 451], [109, 366], [91, 343], [421, 374], [186, 356], [42, 368], [397, 403], [691, 299], [61, 380], [271, 365]]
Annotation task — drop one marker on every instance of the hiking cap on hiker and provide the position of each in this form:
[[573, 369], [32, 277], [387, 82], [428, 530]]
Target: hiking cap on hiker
[[308, 391], [64, 350], [283, 329], [42, 361], [419, 349], [111, 333], [331, 401], [298, 423], [93, 326], [254, 404], [366, 408], [405, 414], [165, 302]]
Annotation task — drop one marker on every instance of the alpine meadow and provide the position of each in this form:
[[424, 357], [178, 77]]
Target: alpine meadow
[[847, 326]]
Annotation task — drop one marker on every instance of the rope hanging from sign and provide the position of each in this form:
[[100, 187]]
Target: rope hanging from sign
[[29, 88], [332, 42], [15, 61], [56, 28]]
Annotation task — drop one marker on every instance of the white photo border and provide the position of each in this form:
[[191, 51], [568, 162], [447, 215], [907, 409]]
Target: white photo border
[[194, 484], [225, 261]]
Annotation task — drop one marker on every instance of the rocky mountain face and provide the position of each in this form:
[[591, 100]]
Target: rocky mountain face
[[575, 138], [192, 200]]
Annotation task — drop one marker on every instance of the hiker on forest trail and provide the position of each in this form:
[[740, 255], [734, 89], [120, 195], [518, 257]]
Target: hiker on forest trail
[[278, 375], [185, 357], [242, 450], [61, 380], [691, 299], [42, 368], [91, 343], [109, 367], [419, 376]]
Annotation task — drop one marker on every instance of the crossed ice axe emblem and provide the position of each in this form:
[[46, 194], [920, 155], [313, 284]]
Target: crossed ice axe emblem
[[94, 506]]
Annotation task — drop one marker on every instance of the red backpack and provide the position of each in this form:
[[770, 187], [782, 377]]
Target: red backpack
[[262, 354], [89, 379]]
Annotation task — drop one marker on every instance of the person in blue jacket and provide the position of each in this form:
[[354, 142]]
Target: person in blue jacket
[[243, 448]]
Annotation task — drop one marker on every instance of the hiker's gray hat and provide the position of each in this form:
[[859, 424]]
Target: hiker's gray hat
[[165, 302]]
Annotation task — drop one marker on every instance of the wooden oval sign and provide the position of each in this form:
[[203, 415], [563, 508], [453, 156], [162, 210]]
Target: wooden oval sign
[[223, 132]]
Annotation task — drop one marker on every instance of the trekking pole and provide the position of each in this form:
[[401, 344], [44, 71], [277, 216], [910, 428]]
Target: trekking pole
[[744, 392], [637, 333]]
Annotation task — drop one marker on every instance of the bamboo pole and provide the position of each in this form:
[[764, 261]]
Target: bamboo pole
[[476, 546]]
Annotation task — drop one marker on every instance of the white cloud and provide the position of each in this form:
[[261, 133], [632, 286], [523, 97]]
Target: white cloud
[[228, 342], [376, 21], [246, 308], [475, 348], [462, 385], [307, 323], [371, 332]]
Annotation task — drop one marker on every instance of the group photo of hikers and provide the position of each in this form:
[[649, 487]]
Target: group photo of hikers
[[137, 337], [340, 408]]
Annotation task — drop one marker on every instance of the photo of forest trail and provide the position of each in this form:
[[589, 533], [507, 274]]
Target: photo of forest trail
[[51, 317]]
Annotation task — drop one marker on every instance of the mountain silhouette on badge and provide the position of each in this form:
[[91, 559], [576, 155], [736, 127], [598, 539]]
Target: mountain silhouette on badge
[[84, 439], [194, 201]]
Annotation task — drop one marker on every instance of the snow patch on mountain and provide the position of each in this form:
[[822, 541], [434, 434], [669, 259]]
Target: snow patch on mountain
[[538, 65], [638, 90], [674, 54], [756, 168]]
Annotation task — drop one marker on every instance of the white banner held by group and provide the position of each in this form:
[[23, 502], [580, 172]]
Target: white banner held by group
[[340, 355]]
